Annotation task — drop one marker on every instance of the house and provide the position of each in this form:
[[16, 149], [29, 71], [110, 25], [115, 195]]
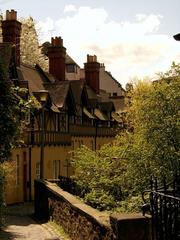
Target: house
[[71, 112]]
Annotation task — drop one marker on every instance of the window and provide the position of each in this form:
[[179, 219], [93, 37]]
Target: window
[[114, 94], [71, 68], [57, 127], [67, 165], [38, 170], [62, 122], [17, 169], [56, 168]]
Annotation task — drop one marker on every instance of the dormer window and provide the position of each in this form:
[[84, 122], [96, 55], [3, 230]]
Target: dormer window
[[71, 68]]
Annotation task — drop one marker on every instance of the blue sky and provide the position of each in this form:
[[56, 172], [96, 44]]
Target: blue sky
[[132, 37]]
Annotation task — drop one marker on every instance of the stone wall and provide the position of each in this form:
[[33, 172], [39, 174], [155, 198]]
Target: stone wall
[[81, 221], [131, 226]]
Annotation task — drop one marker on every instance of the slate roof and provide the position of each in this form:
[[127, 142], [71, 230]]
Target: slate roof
[[91, 93], [58, 92], [106, 106], [77, 87], [119, 105], [30, 74]]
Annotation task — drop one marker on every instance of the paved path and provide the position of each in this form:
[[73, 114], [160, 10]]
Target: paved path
[[20, 226]]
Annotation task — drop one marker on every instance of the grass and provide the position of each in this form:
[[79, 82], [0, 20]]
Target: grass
[[57, 229]]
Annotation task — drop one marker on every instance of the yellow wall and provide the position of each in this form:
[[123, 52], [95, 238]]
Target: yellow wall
[[15, 188], [18, 190], [14, 177]]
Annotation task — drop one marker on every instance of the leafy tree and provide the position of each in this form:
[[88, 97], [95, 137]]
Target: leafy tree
[[12, 118], [155, 115], [8, 115], [8, 125], [30, 49], [152, 148], [97, 175]]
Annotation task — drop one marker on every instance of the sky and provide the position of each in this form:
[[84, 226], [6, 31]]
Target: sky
[[133, 38]]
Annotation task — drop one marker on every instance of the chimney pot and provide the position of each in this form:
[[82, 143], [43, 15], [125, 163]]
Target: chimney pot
[[57, 42], [11, 15]]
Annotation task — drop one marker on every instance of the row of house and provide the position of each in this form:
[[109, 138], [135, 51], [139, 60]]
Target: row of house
[[75, 107]]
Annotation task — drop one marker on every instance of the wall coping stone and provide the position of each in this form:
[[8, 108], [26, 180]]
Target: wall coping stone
[[129, 216], [94, 214]]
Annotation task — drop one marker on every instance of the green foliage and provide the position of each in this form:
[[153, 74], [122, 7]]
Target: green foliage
[[12, 118], [8, 116], [115, 175], [98, 175], [100, 199], [156, 139]]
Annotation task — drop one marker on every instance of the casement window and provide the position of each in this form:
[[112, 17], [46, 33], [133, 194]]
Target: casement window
[[38, 170], [57, 125], [56, 168], [63, 123], [17, 169], [67, 165], [71, 68]]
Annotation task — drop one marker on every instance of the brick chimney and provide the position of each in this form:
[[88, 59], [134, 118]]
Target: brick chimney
[[92, 68], [57, 56], [11, 32]]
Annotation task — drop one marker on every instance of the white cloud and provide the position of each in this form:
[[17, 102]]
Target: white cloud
[[127, 48], [5, 1], [69, 8]]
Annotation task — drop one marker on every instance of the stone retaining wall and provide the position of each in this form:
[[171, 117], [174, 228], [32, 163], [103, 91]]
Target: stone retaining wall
[[81, 221]]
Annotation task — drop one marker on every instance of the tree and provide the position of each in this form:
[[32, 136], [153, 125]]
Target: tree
[[155, 114], [30, 49], [8, 124], [97, 174], [152, 148], [9, 121], [12, 117]]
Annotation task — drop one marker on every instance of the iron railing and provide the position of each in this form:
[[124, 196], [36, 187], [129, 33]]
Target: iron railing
[[165, 209]]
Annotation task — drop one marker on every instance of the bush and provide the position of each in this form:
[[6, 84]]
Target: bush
[[100, 199]]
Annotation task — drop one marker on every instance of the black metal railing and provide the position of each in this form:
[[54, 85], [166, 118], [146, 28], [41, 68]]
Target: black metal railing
[[165, 209]]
